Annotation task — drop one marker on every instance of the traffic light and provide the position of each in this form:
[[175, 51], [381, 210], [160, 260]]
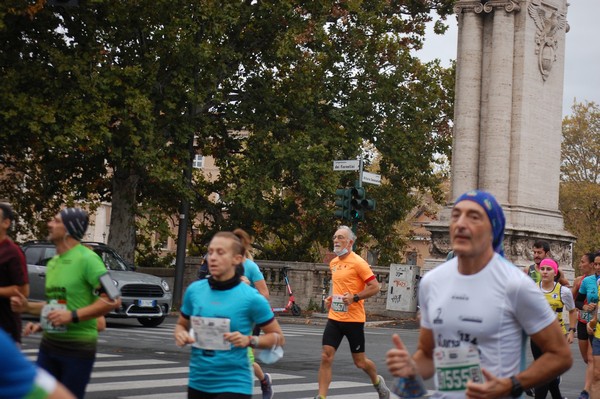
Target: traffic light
[[368, 204], [358, 196], [343, 203], [360, 203]]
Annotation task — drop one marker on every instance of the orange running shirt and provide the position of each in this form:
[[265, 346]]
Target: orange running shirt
[[350, 274]]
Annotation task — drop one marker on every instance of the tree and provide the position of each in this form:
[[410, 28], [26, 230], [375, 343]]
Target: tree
[[580, 149], [104, 99], [580, 177]]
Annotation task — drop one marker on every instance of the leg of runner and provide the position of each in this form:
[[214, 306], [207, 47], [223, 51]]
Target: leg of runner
[[327, 356], [364, 363]]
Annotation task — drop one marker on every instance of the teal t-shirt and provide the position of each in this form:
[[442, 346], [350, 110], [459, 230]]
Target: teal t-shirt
[[225, 370], [252, 272], [71, 279], [589, 287]]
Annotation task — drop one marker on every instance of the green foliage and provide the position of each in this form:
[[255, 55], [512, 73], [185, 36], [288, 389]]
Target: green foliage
[[580, 177], [112, 92]]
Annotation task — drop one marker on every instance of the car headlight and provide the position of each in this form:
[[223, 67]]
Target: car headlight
[[165, 285]]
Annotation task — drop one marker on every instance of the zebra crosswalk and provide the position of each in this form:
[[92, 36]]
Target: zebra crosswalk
[[115, 377], [162, 373]]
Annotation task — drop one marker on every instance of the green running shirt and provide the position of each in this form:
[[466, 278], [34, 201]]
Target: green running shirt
[[71, 280]]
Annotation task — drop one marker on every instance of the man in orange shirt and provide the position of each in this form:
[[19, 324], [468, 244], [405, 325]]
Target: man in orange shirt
[[353, 282]]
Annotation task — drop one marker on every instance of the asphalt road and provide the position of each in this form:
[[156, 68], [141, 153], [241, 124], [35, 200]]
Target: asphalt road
[[136, 362]]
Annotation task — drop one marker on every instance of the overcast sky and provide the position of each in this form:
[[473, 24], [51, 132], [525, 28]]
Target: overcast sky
[[582, 63]]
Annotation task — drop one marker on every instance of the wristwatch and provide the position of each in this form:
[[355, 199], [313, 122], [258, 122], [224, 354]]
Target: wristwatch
[[572, 329], [253, 343], [356, 298], [74, 317], [517, 390]]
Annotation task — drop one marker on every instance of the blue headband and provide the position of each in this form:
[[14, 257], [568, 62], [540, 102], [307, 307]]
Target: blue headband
[[494, 213]]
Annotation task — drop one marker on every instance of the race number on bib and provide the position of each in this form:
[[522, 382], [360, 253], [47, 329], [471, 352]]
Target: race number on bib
[[338, 305], [208, 333], [45, 324], [454, 367]]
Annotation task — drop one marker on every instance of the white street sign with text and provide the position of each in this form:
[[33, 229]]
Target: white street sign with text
[[371, 178], [350, 164]]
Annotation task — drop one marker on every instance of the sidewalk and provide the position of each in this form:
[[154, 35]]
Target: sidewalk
[[320, 319]]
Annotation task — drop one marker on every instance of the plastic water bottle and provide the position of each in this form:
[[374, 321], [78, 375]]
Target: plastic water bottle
[[409, 387]]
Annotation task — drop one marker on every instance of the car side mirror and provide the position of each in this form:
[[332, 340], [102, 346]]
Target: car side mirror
[[130, 266]]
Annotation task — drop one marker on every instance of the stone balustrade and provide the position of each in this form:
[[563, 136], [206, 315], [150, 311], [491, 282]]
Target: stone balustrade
[[307, 281]]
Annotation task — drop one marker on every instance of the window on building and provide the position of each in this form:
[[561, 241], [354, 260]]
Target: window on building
[[411, 258], [198, 162]]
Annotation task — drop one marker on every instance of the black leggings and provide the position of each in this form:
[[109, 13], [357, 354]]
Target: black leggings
[[542, 390], [195, 394]]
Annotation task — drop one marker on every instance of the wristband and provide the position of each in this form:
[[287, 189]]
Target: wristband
[[74, 317], [572, 329], [253, 343]]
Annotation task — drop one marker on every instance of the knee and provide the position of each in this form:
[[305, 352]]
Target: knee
[[360, 363], [596, 375], [327, 357]]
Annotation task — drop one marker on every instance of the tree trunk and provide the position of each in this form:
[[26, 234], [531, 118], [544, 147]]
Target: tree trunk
[[122, 218]]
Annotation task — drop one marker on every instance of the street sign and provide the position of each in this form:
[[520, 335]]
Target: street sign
[[371, 178], [350, 164]]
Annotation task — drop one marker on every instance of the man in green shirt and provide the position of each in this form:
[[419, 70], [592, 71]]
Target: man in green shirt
[[68, 317]]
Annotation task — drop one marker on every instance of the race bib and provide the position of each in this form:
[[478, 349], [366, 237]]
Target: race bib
[[46, 325], [208, 333], [338, 305], [587, 316], [454, 367]]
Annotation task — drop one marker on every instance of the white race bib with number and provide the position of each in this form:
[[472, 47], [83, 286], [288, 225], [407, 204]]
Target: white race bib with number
[[454, 367], [338, 305], [46, 325], [208, 333]]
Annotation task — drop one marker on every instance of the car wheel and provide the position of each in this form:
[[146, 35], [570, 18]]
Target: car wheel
[[296, 311], [151, 321]]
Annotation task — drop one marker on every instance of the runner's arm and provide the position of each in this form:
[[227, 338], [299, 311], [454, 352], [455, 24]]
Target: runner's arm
[[261, 286], [20, 304], [10, 290], [181, 334], [576, 285], [579, 300], [371, 288], [272, 335], [556, 357], [423, 357]]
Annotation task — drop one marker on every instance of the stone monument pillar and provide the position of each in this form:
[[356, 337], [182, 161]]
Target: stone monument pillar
[[508, 121]]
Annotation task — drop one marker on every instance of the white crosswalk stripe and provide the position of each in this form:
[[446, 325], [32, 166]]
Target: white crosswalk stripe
[[117, 377]]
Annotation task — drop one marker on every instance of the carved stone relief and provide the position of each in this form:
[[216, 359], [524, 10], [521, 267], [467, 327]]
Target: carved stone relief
[[548, 21]]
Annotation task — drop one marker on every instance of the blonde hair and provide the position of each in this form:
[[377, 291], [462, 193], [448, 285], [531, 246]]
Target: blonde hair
[[246, 241], [236, 244]]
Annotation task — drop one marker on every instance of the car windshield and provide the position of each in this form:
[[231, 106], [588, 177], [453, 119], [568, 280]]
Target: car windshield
[[111, 259]]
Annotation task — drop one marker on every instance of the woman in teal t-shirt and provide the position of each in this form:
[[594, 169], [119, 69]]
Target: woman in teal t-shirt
[[219, 364]]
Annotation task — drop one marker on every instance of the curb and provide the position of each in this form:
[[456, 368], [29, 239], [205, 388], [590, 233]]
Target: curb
[[320, 319]]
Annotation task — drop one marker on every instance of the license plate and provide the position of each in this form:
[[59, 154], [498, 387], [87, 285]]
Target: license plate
[[146, 303]]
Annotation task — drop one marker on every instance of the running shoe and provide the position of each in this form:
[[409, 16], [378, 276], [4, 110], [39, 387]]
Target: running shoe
[[266, 387], [382, 390], [584, 395], [530, 392]]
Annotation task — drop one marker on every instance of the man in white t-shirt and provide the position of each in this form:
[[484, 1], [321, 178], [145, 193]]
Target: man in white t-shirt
[[476, 310]]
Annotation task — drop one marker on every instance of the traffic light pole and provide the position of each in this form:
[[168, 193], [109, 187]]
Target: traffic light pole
[[359, 185]]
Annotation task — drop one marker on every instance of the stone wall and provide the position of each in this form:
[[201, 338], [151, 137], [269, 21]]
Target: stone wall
[[308, 281]]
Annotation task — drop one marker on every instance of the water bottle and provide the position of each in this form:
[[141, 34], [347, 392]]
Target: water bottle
[[409, 387]]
